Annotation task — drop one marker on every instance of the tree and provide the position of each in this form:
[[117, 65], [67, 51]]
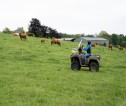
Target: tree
[[89, 35], [39, 30], [7, 31], [54, 33], [104, 34], [123, 43], [44, 30], [19, 30], [120, 38], [76, 36], [82, 35], [114, 38], [35, 27]]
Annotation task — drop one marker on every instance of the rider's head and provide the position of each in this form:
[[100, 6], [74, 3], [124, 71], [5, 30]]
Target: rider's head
[[89, 42]]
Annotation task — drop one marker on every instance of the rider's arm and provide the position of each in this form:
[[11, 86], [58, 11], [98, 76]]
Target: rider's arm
[[87, 47]]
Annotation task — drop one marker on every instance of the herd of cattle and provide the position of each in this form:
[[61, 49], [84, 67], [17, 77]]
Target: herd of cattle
[[110, 46], [24, 36], [56, 41]]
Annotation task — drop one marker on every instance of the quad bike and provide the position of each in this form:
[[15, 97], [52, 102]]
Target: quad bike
[[77, 61]]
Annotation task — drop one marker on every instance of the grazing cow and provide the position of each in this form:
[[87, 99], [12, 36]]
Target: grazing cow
[[22, 36], [93, 45], [110, 46], [42, 40], [30, 34], [120, 48], [55, 41], [16, 34], [97, 43]]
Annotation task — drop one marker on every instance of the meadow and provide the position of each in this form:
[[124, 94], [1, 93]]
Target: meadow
[[35, 74]]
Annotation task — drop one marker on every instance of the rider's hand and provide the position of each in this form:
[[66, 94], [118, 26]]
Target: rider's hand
[[82, 47]]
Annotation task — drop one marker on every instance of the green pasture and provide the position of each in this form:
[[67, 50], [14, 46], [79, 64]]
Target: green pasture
[[35, 74]]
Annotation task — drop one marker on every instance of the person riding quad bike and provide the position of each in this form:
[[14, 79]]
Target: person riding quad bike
[[88, 49], [81, 59]]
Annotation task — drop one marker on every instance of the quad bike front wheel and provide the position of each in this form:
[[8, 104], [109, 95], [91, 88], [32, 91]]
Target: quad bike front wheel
[[93, 66], [75, 65]]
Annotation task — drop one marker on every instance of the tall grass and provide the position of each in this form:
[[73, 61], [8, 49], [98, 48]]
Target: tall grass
[[35, 74]]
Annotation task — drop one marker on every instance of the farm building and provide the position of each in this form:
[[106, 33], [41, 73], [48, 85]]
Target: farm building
[[93, 40], [69, 39]]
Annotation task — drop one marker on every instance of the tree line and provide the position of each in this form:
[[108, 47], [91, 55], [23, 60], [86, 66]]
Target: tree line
[[115, 39], [39, 30]]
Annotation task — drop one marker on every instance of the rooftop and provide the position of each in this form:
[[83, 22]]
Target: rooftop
[[93, 38]]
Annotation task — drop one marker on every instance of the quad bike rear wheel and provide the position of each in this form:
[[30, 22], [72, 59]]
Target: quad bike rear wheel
[[93, 66]]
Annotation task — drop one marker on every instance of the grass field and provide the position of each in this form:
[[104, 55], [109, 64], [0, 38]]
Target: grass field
[[35, 74]]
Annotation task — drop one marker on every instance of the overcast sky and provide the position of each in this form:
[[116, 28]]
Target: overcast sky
[[66, 16]]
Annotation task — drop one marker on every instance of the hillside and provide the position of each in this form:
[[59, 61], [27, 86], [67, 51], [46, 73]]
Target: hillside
[[35, 74]]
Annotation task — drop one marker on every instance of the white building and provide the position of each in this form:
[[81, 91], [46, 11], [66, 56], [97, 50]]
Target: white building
[[93, 40]]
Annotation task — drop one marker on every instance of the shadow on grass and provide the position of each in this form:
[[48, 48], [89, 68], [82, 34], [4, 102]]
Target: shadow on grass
[[83, 69]]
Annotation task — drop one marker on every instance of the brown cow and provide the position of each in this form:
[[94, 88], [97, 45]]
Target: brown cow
[[16, 34], [92, 45], [55, 41], [120, 48], [42, 40], [110, 46], [97, 43], [30, 34], [22, 36]]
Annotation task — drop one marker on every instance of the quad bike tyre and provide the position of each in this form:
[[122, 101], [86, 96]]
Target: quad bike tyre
[[94, 66], [75, 65]]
